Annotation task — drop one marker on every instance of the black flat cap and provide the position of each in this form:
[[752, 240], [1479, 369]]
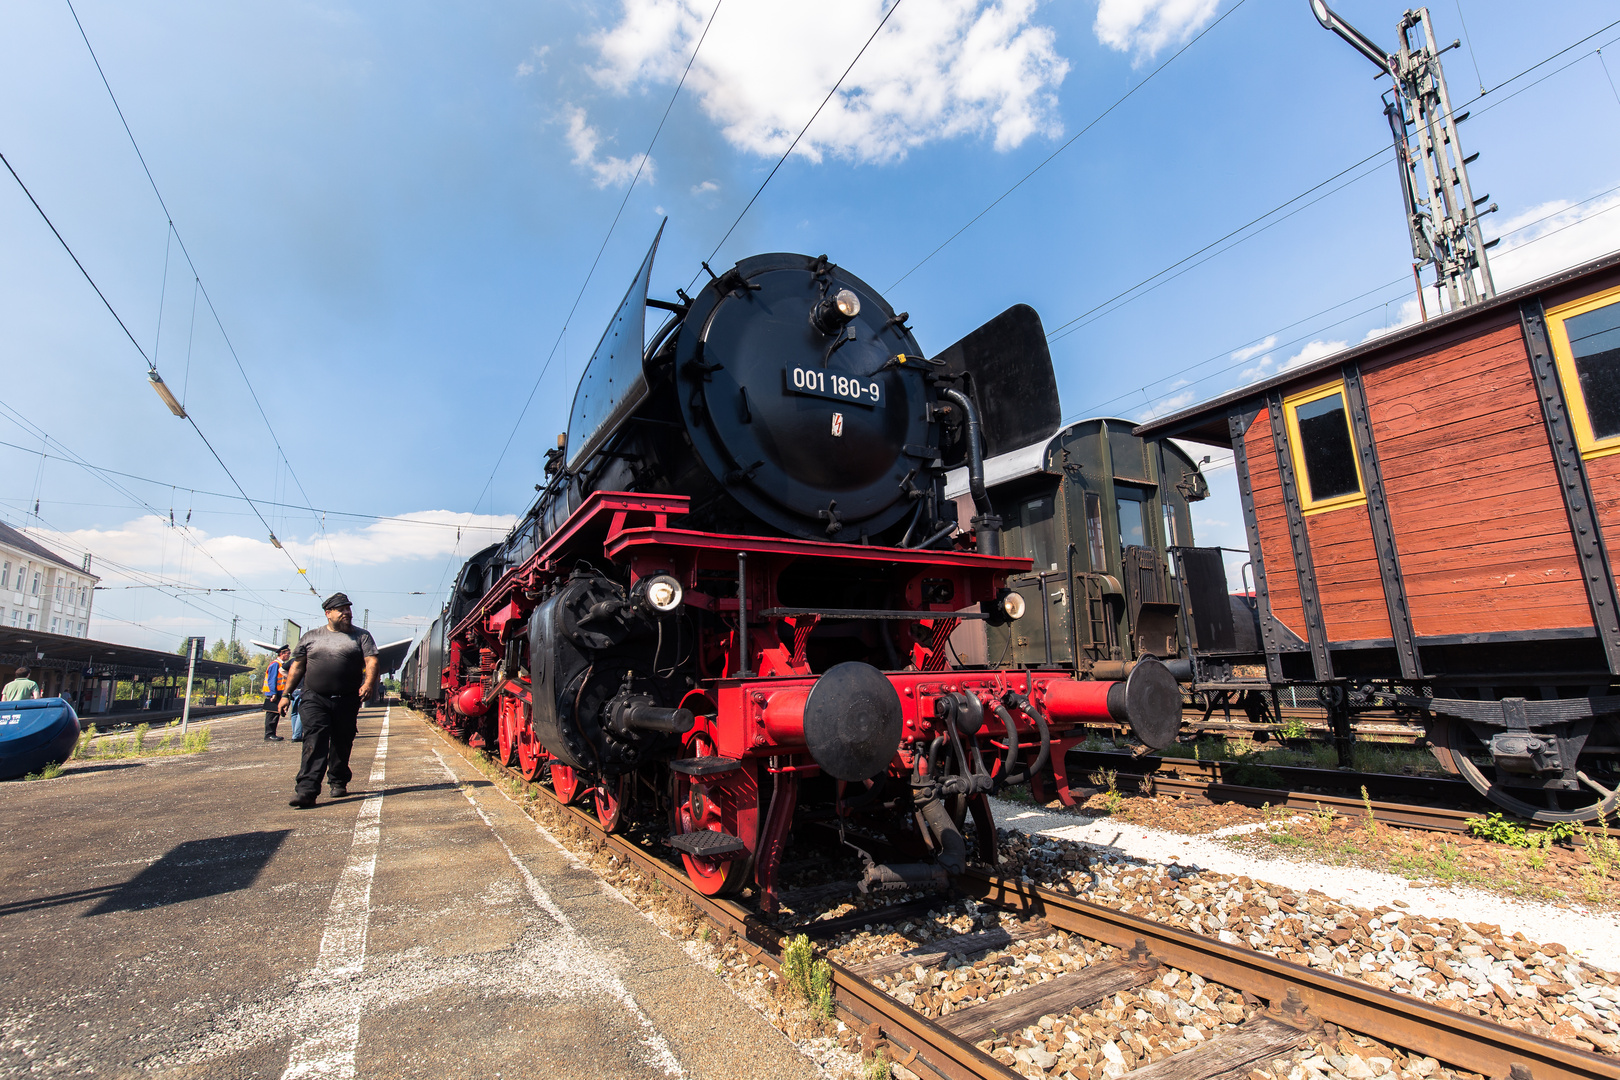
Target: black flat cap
[[336, 600]]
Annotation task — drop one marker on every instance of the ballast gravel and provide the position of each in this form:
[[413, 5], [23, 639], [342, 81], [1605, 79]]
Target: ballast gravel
[[1173, 1012], [1401, 944]]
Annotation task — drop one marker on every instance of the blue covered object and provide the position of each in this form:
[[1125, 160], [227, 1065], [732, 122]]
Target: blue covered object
[[34, 734]]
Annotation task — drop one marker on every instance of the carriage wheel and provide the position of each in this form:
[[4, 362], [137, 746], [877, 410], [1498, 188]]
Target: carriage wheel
[[609, 797], [699, 806], [1451, 743], [565, 783]]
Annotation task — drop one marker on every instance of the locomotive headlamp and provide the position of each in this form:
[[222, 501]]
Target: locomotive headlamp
[[833, 313], [662, 593], [1012, 604]]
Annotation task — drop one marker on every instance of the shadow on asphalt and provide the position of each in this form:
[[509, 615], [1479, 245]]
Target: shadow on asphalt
[[195, 869], [189, 871], [110, 766]]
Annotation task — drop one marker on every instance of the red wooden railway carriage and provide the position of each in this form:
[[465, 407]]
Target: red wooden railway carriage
[[730, 606], [1432, 520]]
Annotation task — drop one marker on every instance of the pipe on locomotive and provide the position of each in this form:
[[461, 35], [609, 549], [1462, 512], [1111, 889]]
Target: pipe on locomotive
[[986, 525]]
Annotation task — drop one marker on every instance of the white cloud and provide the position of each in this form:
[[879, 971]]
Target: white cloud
[[1313, 350], [524, 69], [1166, 406], [1249, 352], [1405, 316], [1552, 237], [584, 140], [1144, 27], [705, 188], [148, 543], [658, 211], [941, 69]]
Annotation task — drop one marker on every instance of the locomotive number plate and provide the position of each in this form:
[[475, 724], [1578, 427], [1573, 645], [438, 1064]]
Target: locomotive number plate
[[830, 384]]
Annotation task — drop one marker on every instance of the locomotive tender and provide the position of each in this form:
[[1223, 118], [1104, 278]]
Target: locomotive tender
[[1433, 522], [732, 602]]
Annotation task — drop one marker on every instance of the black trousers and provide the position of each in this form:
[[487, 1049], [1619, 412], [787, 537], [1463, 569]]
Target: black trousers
[[271, 715], [329, 726]]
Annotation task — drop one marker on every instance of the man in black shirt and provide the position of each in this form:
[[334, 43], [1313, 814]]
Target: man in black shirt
[[337, 665]]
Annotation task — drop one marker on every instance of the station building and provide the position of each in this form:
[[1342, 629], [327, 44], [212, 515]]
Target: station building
[[40, 590], [45, 603]]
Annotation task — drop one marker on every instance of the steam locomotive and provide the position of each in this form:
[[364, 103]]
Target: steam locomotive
[[732, 603]]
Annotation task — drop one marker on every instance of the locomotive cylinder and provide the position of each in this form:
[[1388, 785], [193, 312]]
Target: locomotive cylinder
[[469, 700]]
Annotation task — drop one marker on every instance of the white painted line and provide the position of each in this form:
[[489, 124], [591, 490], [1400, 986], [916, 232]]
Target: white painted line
[[588, 959], [326, 1048]]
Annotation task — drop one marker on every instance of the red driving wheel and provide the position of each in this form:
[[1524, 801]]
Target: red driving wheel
[[506, 730], [564, 782], [609, 797], [531, 756], [697, 806]]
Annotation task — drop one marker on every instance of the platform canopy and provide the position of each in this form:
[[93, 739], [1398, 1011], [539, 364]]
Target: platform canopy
[[103, 658]]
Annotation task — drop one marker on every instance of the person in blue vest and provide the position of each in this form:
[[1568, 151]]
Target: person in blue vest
[[275, 684]]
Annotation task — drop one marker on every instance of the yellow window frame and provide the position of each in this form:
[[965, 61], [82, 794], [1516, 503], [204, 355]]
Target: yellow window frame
[[1564, 358], [1296, 451]]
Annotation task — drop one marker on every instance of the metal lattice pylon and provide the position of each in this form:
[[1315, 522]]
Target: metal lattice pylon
[[1442, 214]]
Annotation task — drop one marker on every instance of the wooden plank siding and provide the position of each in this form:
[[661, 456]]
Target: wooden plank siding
[[1347, 578], [1603, 474], [1473, 496], [1282, 581]]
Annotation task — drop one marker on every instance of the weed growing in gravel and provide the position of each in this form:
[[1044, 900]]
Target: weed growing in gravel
[[811, 978], [49, 772], [1370, 825], [1499, 829], [1323, 819], [877, 1068], [82, 750], [1108, 780], [1293, 727], [1603, 859]]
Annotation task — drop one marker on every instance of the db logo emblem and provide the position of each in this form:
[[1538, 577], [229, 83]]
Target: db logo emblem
[[838, 425]]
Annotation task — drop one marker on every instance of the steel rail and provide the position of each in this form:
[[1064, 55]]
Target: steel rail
[[1413, 1025], [1456, 1039]]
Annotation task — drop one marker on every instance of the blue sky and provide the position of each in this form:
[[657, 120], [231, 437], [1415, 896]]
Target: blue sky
[[394, 207]]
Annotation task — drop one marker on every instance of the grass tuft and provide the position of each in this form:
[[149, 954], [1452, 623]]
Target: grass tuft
[[809, 977]]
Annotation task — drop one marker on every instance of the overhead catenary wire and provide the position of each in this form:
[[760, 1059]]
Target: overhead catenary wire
[[174, 233], [151, 368], [1401, 281], [47, 219], [238, 498], [22, 421], [1070, 142], [589, 274], [1062, 329], [802, 131]]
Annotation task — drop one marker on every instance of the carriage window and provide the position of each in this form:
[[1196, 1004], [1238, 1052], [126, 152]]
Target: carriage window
[[1095, 533], [1586, 345], [1040, 538], [1324, 454], [1132, 517]]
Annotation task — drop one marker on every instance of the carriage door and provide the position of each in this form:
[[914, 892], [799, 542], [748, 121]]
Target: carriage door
[[1149, 608]]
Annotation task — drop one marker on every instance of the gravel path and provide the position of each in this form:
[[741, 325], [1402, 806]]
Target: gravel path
[[1595, 938]]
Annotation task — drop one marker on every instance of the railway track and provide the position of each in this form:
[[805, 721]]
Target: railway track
[[1304, 1002], [1209, 781]]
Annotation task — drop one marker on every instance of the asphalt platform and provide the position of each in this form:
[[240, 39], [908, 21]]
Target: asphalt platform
[[175, 917]]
